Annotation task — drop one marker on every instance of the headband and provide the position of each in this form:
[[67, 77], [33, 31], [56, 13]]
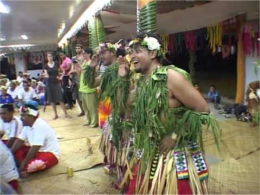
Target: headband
[[29, 111], [4, 88], [108, 46], [151, 43]]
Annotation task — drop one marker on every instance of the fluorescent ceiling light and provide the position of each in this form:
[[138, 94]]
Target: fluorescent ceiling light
[[88, 14], [71, 11], [2, 39], [17, 46], [24, 37], [4, 9]]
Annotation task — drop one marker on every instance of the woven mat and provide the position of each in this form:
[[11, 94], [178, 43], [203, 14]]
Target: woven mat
[[235, 176], [92, 181], [74, 153]]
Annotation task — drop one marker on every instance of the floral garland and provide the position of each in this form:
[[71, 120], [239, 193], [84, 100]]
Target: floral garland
[[150, 43], [107, 46]]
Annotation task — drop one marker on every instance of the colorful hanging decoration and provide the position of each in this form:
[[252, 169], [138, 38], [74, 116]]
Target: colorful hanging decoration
[[179, 41], [251, 37], [193, 60], [215, 36], [171, 43], [165, 39], [201, 36], [222, 35], [190, 40]]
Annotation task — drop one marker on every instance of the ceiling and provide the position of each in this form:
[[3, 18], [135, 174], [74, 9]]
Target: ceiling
[[175, 16], [39, 20], [163, 6]]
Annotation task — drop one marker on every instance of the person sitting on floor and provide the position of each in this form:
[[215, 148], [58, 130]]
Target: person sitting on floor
[[213, 95], [27, 95], [43, 150], [12, 125], [253, 99], [5, 98], [40, 92], [13, 90], [8, 170], [20, 76]]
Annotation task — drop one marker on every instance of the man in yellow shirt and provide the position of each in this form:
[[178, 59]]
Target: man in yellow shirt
[[89, 95]]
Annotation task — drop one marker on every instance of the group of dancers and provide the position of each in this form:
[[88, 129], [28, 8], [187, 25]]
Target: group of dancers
[[153, 135], [153, 121]]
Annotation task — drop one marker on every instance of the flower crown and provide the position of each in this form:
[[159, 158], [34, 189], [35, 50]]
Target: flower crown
[[108, 46], [29, 111], [150, 43]]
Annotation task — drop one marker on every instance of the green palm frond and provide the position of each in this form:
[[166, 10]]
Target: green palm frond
[[97, 33], [147, 18]]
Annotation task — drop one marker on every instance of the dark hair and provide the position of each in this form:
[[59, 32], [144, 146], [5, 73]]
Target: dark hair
[[62, 52], [120, 52], [20, 72], [8, 107], [213, 86], [25, 81], [79, 45], [29, 80], [89, 51], [50, 53], [30, 106]]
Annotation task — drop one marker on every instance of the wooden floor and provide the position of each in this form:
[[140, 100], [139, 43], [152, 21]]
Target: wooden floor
[[233, 170]]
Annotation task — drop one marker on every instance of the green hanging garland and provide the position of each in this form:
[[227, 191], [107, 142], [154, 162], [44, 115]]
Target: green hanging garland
[[97, 33], [147, 18]]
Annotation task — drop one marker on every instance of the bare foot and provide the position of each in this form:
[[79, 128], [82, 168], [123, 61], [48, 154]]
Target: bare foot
[[81, 114], [67, 116], [55, 117], [24, 174]]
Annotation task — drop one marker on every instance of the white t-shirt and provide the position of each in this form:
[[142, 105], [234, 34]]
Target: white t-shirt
[[19, 79], [41, 134], [13, 93], [8, 170], [12, 129], [26, 95]]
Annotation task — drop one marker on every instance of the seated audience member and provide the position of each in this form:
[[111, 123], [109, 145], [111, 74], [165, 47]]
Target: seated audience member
[[8, 170], [11, 126], [34, 85], [20, 77], [13, 90], [253, 99], [27, 95], [5, 98], [213, 95], [40, 92], [43, 150], [26, 77]]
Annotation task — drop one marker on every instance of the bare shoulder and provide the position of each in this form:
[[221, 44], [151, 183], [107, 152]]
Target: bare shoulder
[[176, 78]]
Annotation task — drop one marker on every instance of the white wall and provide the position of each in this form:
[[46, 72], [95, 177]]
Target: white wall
[[33, 73], [250, 70], [19, 64]]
